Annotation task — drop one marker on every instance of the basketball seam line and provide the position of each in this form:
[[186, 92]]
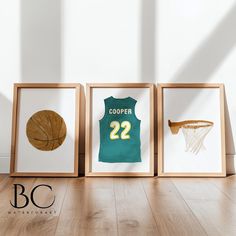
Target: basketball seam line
[[47, 139], [36, 123]]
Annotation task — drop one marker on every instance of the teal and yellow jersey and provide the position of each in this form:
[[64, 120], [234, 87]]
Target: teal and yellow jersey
[[119, 131]]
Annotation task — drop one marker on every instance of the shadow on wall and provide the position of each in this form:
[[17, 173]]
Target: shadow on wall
[[229, 140], [211, 53], [207, 58], [42, 51], [199, 66], [41, 41], [148, 50], [148, 41], [5, 137]]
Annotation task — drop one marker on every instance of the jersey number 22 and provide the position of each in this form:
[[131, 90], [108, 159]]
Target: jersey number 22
[[116, 126]]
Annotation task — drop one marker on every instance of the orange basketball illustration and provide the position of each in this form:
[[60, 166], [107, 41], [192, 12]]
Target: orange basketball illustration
[[46, 130]]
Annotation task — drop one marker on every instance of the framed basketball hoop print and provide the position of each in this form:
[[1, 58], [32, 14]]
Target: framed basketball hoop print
[[45, 130], [191, 130], [119, 129]]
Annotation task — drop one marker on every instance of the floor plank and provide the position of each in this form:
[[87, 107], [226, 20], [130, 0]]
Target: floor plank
[[133, 210], [172, 215], [123, 206], [214, 210], [227, 186], [3, 177], [197, 189], [88, 208]]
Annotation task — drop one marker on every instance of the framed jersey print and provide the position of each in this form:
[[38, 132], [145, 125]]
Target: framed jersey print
[[119, 130], [191, 132], [46, 128]]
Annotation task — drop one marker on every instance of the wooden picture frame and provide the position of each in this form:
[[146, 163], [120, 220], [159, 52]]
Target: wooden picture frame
[[163, 101], [63, 89], [123, 89]]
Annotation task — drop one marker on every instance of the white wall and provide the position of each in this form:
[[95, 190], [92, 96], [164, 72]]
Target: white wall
[[116, 41], [9, 72]]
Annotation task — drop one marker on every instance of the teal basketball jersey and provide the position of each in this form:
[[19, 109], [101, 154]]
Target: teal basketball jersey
[[119, 131]]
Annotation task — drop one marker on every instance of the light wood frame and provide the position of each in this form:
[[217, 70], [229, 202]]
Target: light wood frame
[[88, 138], [79, 98], [160, 129]]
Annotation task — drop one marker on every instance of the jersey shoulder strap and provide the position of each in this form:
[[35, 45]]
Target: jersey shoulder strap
[[132, 101]]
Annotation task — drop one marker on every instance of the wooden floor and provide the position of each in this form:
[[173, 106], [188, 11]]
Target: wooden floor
[[122, 206]]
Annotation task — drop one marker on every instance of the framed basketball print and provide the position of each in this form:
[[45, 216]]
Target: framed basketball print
[[119, 129], [46, 128], [191, 132]]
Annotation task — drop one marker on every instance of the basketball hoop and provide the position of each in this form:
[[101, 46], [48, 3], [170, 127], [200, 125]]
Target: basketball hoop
[[194, 132]]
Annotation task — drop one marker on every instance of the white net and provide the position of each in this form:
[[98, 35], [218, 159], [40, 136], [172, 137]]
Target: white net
[[194, 135]]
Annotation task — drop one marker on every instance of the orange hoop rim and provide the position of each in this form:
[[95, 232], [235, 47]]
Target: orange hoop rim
[[191, 124]]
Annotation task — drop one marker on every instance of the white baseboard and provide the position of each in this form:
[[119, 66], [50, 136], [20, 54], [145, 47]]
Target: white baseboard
[[230, 167]]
